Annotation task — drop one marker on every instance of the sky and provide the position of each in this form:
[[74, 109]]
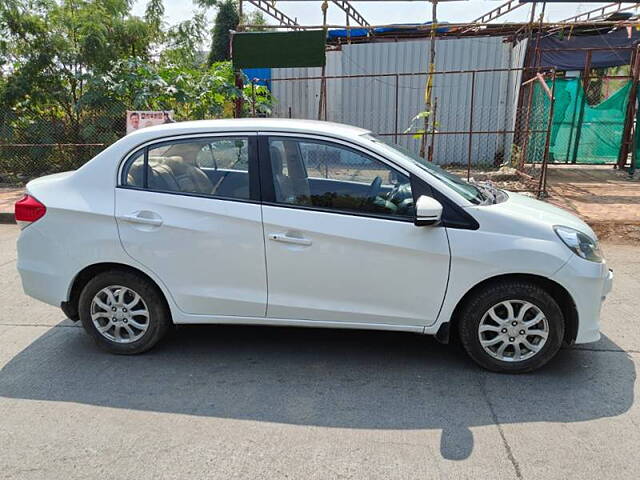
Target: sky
[[381, 13]]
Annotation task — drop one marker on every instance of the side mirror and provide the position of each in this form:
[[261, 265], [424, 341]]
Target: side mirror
[[428, 211]]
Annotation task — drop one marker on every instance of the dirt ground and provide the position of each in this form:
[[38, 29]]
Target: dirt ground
[[607, 199]]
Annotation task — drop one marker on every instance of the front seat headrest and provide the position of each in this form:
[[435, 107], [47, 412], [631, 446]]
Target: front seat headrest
[[276, 159]]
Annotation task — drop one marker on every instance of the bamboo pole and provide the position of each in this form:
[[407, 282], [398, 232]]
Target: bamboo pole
[[542, 186], [429, 84], [322, 104]]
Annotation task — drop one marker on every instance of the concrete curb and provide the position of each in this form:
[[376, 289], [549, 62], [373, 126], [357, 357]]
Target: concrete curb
[[7, 217]]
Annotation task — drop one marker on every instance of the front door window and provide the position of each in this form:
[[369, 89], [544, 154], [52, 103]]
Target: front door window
[[327, 176]]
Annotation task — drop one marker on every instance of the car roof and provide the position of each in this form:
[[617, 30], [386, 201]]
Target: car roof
[[249, 124]]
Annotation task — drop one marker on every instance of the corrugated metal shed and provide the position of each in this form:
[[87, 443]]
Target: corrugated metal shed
[[371, 102]]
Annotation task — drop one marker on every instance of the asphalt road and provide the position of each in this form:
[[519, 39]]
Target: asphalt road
[[276, 403]]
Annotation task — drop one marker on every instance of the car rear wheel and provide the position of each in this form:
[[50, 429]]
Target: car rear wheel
[[123, 312], [511, 327]]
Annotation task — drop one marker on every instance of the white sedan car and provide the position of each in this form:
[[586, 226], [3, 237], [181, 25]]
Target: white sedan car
[[303, 223]]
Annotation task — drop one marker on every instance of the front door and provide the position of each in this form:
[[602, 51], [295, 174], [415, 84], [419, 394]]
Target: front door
[[189, 211], [340, 240]]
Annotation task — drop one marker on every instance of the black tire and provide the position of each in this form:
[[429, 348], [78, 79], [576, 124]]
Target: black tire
[[159, 318], [487, 297]]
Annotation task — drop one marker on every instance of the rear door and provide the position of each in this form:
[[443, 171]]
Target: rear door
[[188, 210], [340, 240]]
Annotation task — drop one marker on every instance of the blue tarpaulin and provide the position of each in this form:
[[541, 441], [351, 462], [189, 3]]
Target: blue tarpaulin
[[362, 32], [563, 53], [260, 76]]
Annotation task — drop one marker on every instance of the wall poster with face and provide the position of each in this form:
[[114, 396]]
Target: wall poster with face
[[137, 119]]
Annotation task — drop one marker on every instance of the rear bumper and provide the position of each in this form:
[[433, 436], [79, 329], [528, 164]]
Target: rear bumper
[[42, 277], [588, 283]]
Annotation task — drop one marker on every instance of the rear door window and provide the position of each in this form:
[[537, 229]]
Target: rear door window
[[213, 166]]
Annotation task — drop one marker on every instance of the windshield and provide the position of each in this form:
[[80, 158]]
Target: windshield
[[470, 192]]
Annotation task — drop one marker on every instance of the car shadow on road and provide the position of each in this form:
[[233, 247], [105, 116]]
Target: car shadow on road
[[329, 378]]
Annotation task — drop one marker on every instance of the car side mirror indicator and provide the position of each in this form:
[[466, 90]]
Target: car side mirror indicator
[[428, 211]]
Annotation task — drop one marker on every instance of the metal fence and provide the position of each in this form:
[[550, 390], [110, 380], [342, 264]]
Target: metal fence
[[57, 141], [476, 122]]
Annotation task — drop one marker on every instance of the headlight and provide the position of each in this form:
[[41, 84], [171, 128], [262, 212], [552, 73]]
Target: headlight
[[579, 243]]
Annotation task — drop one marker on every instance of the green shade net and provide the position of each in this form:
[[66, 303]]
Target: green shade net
[[580, 132], [279, 49]]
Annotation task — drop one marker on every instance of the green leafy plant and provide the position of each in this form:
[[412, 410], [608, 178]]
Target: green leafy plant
[[419, 119]]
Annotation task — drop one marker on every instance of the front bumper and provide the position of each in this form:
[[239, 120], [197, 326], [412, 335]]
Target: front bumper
[[588, 283], [608, 284]]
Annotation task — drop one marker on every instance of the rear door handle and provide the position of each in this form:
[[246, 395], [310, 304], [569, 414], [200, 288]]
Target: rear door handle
[[136, 218], [284, 238]]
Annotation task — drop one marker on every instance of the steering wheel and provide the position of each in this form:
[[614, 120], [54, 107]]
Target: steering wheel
[[375, 188], [395, 192]]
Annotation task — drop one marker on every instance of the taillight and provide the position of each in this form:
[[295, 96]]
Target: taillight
[[28, 210]]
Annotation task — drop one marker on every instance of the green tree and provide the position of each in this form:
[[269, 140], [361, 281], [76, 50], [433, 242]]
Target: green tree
[[69, 69], [226, 19], [190, 92], [184, 41], [51, 50], [154, 14]]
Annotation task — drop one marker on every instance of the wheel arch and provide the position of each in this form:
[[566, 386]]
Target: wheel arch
[[560, 294], [70, 307]]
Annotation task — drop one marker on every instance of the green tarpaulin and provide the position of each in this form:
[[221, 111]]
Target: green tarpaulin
[[279, 49], [580, 133]]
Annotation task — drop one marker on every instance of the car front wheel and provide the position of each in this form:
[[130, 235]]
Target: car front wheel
[[123, 312], [512, 327]]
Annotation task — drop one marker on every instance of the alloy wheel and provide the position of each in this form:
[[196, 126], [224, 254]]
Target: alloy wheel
[[119, 314], [513, 330]]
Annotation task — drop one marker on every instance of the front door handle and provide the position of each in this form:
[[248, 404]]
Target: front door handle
[[136, 218], [284, 238]]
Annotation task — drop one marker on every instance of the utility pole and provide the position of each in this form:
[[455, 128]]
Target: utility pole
[[429, 85]]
